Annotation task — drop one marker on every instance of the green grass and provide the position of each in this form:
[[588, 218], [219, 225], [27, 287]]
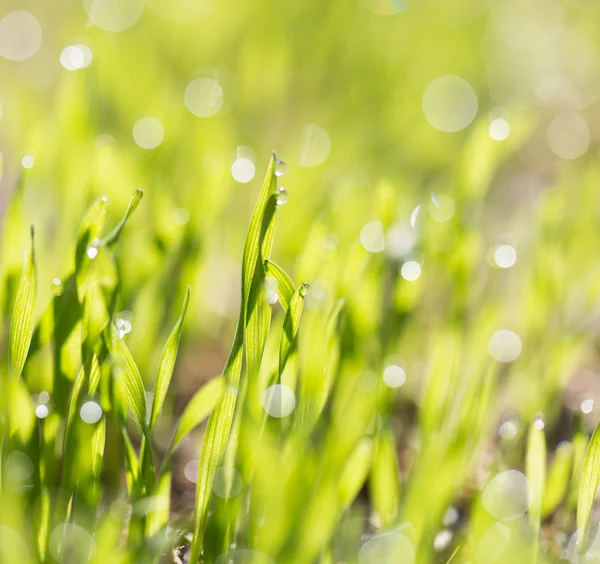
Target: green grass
[[193, 367]]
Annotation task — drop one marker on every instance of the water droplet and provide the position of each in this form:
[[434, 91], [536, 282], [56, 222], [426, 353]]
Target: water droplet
[[42, 411], [282, 196], [280, 166], [28, 161], [90, 412], [271, 287], [450, 517], [305, 288], [394, 376], [505, 256], [92, 252], [538, 423], [411, 270], [587, 405], [279, 401], [123, 326], [509, 429], [504, 346], [442, 540], [507, 495]]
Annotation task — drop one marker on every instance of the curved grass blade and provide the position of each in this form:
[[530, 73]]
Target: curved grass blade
[[113, 237], [355, 472], [291, 324], [198, 409], [590, 478], [384, 482], [23, 320], [257, 248], [167, 363], [285, 285], [558, 478]]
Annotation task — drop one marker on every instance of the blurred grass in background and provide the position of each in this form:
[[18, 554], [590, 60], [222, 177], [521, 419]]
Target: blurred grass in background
[[441, 179]]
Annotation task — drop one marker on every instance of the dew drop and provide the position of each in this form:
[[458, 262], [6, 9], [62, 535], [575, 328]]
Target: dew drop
[[28, 161], [587, 405], [282, 196], [280, 166], [279, 401], [305, 289], [42, 411], [92, 252], [90, 412]]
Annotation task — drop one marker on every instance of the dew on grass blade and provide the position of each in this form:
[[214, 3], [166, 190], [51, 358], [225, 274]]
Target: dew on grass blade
[[114, 15], [227, 482], [371, 237], [90, 412], [305, 289], [449, 103], [123, 326], [450, 516], [72, 542], [271, 288], [92, 252], [42, 411], [504, 346], [18, 466], [281, 196], [280, 166], [279, 400], [204, 97], [20, 35], [387, 548], [507, 496]]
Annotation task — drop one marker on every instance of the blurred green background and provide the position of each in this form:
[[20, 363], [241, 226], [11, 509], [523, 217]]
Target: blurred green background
[[483, 113]]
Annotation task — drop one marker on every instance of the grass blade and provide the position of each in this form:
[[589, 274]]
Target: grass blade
[[590, 478], [23, 320], [113, 237], [285, 285], [291, 324]]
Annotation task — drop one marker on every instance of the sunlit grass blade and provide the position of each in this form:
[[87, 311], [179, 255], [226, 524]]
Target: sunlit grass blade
[[590, 478], [113, 237], [256, 250], [384, 482], [355, 472], [535, 466], [197, 409], [291, 324], [90, 230], [167, 363], [557, 482], [285, 285], [23, 318]]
